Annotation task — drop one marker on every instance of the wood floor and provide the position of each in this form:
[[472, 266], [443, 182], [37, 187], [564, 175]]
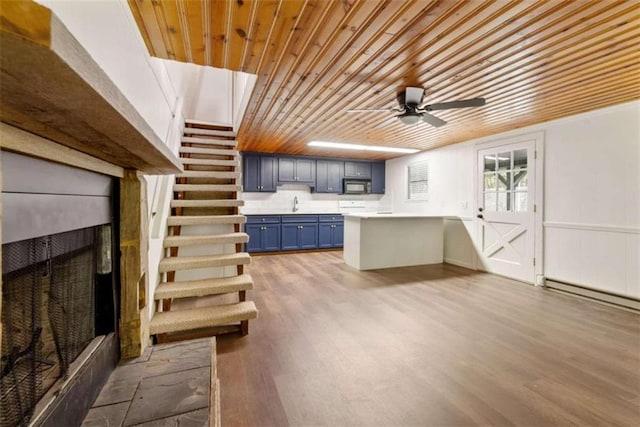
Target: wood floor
[[431, 346]]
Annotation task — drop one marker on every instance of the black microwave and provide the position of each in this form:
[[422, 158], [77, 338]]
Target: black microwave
[[357, 186]]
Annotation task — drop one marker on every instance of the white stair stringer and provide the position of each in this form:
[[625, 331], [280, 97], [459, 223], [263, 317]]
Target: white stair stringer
[[205, 197]]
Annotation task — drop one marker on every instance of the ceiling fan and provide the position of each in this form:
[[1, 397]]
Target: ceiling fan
[[412, 109]]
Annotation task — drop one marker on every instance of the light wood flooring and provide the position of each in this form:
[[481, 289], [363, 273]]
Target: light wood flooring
[[432, 346]]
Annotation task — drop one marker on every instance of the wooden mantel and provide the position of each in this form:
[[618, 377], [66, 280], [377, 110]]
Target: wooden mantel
[[50, 86]]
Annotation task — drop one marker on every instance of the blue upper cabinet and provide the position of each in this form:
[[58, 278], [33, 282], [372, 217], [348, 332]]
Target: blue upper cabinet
[[329, 175], [259, 173], [377, 177], [291, 169], [354, 169], [263, 172]]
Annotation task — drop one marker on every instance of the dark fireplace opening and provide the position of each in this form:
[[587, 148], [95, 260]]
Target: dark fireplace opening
[[57, 296]]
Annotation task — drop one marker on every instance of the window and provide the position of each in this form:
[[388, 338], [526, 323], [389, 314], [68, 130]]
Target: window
[[505, 182], [418, 181]]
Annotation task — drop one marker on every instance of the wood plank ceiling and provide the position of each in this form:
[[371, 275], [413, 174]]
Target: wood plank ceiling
[[532, 60]]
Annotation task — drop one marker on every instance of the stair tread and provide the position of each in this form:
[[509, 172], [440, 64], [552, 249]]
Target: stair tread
[[216, 203], [209, 174], [209, 140], [183, 320], [198, 288], [208, 162], [211, 151], [176, 220], [172, 241], [206, 187], [202, 261]]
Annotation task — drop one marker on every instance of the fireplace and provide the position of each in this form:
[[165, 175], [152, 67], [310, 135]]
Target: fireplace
[[58, 281]]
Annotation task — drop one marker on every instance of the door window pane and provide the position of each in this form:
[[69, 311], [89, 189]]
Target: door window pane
[[490, 201], [489, 163], [520, 201], [520, 180], [504, 161], [489, 181], [504, 198], [519, 159]]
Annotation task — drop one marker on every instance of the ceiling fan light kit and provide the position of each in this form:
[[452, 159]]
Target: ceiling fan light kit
[[412, 109], [409, 118], [362, 147]]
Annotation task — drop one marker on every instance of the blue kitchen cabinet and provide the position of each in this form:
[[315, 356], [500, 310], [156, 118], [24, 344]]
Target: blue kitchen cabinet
[[264, 233], [331, 231], [296, 170], [354, 169], [299, 232], [329, 175], [259, 173], [299, 236], [377, 177]]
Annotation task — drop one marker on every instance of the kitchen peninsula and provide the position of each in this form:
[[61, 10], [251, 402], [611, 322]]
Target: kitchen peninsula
[[374, 240]]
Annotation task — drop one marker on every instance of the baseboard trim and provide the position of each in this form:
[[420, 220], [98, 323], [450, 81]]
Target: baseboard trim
[[594, 294]]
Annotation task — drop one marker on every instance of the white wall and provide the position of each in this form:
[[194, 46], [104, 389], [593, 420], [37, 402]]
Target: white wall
[[212, 95], [591, 197], [107, 30]]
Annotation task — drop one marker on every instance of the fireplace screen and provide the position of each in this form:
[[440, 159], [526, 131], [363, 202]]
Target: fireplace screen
[[48, 312]]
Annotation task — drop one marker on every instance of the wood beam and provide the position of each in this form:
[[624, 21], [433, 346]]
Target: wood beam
[[52, 87], [20, 141], [134, 286]]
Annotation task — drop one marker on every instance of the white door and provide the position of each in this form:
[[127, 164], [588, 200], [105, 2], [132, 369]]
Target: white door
[[506, 203]]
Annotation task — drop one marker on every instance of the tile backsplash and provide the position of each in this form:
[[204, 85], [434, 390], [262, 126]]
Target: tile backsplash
[[281, 202]]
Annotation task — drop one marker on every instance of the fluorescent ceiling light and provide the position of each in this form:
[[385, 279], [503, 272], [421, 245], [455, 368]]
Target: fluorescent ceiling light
[[362, 147]]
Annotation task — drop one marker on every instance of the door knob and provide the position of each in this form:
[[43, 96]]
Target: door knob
[[480, 216], [480, 209]]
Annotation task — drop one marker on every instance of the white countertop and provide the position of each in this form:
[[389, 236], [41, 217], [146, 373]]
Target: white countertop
[[374, 215]]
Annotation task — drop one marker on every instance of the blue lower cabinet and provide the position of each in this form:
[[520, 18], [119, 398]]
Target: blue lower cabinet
[[289, 239], [299, 236], [263, 237], [271, 233], [308, 236], [330, 235]]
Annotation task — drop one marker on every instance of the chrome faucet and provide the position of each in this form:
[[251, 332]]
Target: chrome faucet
[[295, 203]]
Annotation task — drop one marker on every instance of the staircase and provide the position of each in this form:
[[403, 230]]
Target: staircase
[[204, 287]]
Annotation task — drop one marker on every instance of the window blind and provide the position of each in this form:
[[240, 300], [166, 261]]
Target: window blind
[[418, 180]]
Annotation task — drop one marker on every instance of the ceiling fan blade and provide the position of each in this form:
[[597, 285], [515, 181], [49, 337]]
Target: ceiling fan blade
[[385, 122], [474, 102], [413, 95], [369, 111], [432, 120]]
